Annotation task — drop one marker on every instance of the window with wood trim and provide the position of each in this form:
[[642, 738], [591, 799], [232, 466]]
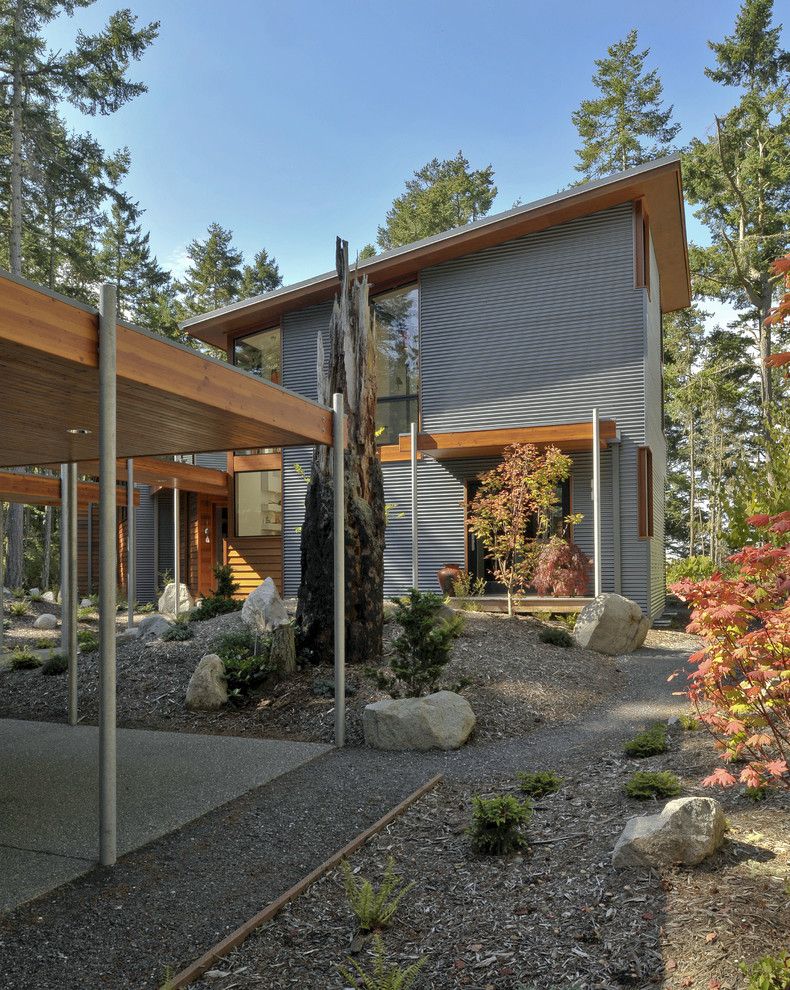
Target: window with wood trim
[[644, 492], [259, 503]]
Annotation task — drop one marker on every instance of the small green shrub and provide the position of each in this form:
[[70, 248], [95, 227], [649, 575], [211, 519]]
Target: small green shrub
[[246, 662], [87, 640], [374, 906], [22, 659], [146, 608], [768, 973], [226, 586], [646, 784], [689, 723], [697, 568], [86, 613], [651, 742], [383, 975], [44, 643], [497, 823], [18, 593], [18, 608], [209, 608], [540, 783], [468, 587], [756, 793], [179, 632], [35, 596], [555, 637], [422, 650], [58, 663]]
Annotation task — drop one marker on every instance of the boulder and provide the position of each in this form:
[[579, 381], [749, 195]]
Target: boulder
[[687, 831], [282, 653], [167, 603], [152, 626], [443, 720], [50, 596], [86, 603], [46, 621], [207, 690], [35, 592], [263, 609], [611, 624], [133, 633]]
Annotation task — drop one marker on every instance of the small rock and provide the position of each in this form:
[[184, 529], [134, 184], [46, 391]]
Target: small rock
[[167, 603], [46, 621], [35, 592], [263, 609], [612, 625], [443, 720], [208, 687], [153, 626], [133, 633], [686, 831], [86, 603], [49, 596]]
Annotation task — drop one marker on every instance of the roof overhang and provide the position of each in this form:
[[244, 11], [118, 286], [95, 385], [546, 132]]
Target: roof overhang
[[658, 184], [491, 443], [170, 398], [168, 474]]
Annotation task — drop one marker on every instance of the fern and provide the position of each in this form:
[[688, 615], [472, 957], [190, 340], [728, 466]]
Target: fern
[[373, 906], [383, 975]]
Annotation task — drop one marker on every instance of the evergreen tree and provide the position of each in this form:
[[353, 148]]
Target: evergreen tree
[[368, 251], [739, 177], [261, 276], [627, 124], [214, 276], [442, 195]]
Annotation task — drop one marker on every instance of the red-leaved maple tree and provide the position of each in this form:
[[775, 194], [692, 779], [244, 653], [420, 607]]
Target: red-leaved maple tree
[[740, 684], [780, 314], [562, 569]]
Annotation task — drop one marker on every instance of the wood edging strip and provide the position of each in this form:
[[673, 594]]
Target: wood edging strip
[[196, 969]]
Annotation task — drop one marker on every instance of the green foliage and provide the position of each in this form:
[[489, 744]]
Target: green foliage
[[23, 659], [263, 275], [756, 793], [146, 608], [539, 783], [18, 593], [468, 587], [695, 568], [211, 607], [35, 596], [214, 275], [87, 640], [497, 823], [768, 973], [245, 667], [58, 663], [384, 976], [18, 608], [86, 613], [441, 195], [627, 124], [689, 723], [374, 906], [647, 784], [44, 643], [651, 742], [179, 632], [422, 650], [226, 586], [555, 637]]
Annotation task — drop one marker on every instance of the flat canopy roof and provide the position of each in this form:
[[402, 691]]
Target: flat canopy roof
[[491, 443], [170, 398], [657, 183]]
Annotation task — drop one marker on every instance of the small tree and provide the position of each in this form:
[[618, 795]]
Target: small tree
[[514, 496], [562, 569], [740, 684], [422, 650]]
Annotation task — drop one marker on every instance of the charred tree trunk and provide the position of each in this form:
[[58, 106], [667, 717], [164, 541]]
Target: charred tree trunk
[[352, 371], [46, 559]]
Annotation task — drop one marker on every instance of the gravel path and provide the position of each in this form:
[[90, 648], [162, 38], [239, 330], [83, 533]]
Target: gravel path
[[166, 904]]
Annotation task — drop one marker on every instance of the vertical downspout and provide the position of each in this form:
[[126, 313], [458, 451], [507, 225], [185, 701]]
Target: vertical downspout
[[596, 431], [131, 546], [614, 448], [71, 578], [415, 565]]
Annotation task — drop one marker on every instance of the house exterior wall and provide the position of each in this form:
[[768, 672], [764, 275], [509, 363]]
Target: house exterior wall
[[654, 437], [535, 331]]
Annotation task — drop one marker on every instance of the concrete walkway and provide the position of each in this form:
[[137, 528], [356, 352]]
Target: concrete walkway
[[49, 793]]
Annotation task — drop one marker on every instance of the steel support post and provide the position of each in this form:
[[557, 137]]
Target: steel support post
[[596, 430], [339, 568]]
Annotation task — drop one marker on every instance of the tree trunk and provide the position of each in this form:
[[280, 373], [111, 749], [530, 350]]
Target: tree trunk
[[15, 566], [692, 483], [17, 96], [352, 371], [46, 563]]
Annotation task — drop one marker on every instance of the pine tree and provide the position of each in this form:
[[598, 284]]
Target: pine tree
[[442, 195], [261, 276], [214, 276], [627, 124], [367, 251]]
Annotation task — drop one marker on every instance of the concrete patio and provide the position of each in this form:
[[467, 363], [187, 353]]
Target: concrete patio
[[49, 793]]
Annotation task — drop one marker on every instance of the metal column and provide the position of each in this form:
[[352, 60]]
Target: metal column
[[596, 480], [2, 577], [69, 604], [415, 569], [108, 569], [131, 548], [339, 569], [614, 447], [65, 611], [90, 548], [176, 548]]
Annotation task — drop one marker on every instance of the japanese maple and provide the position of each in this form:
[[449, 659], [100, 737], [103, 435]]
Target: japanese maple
[[740, 683], [562, 569]]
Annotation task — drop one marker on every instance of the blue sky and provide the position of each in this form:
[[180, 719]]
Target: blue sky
[[291, 122]]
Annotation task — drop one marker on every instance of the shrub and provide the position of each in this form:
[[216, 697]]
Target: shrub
[[44, 643], [496, 824], [18, 593], [18, 608], [646, 784], [689, 723], [423, 648], [245, 666], [146, 608], [209, 608], [383, 976], [373, 906], [58, 663], [35, 596], [768, 973], [540, 783], [179, 632], [740, 684], [86, 613], [22, 659], [651, 742], [562, 569], [555, 637], [88, 640], [467, 587], [695, 569], [226, 586]]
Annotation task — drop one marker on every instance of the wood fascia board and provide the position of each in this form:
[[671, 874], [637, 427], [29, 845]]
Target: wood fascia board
[[168, 474], [256, 462], [576, 436], [42, 489]]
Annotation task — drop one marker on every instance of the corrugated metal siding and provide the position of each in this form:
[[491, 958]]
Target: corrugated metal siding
[[164, 507], [655, 439], [300, 336], [294, 491], [217, 461], [144, 546]]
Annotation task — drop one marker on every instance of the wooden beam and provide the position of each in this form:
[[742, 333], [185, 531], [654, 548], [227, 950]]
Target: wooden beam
[[42, 489], [489, 443], [168, 474], [256, 462]]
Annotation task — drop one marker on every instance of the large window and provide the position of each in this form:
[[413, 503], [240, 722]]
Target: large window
[[259, 503], [260, 354], [396, 318]]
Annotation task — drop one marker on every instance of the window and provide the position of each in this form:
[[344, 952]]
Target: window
[[260, 354], [644, 489], [259, 503], [396, 325]]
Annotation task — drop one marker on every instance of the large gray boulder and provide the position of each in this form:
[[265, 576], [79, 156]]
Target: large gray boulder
[[263, 609], [207, 690], [153, 626], [443, 720], [611, 624], [167, 603], [46, 621], [687, 831]]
